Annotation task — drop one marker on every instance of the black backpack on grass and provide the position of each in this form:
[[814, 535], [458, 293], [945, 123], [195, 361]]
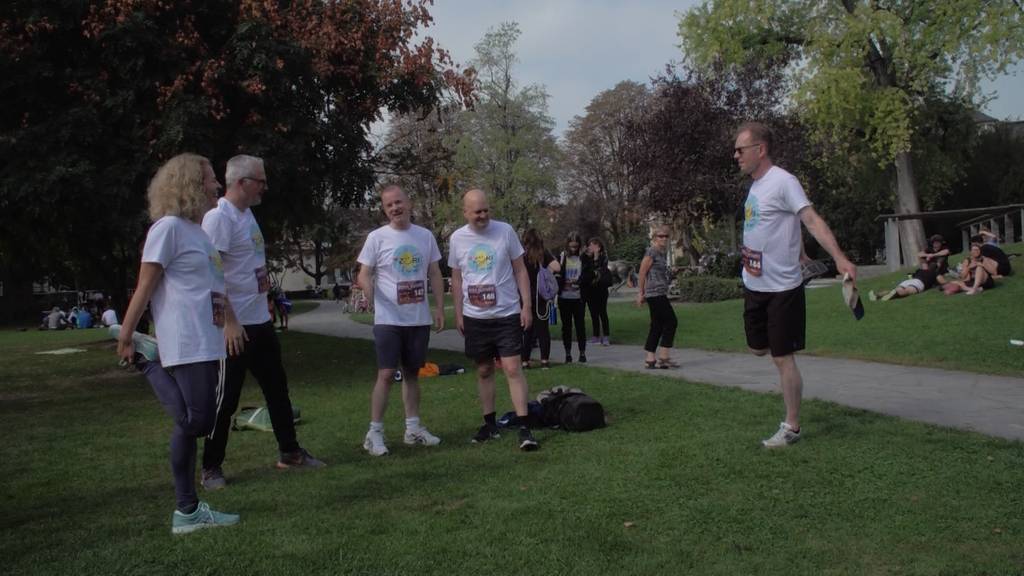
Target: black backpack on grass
[[570, 409]]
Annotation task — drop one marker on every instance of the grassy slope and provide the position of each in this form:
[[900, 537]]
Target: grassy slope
[[867, 494]]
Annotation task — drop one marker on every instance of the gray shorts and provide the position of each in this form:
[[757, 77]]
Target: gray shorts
[[401, 346]]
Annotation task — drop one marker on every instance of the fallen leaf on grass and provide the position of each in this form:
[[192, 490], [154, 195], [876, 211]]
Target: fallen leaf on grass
[[629, 524]]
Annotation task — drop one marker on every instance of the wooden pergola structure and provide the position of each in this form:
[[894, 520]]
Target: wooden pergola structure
[[1001, 220]]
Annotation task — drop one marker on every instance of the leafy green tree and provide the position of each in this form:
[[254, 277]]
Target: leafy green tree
[[505, 144], [600, 177], [865, 69], [95, 94]]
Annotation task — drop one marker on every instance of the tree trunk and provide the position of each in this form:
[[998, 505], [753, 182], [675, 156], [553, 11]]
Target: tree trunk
[[911, 231]]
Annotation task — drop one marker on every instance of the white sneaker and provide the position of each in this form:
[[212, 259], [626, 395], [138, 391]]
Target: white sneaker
[[374, 443], [421, 436], [782, 438]]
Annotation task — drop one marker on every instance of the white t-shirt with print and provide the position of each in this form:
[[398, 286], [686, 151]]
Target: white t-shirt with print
[[188, 303], [771, 232], [402, 259], [237, 236], [489, 288]]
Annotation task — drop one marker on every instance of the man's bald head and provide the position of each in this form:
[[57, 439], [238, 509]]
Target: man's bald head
[[476, 209]]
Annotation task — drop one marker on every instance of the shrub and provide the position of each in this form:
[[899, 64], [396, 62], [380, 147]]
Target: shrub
[[708, 289], [724, 264]]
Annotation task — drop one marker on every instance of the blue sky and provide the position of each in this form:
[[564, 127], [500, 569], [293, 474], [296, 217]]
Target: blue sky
[[577, 48]]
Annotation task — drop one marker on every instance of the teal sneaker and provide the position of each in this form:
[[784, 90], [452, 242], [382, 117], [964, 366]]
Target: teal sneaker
[[203, 517], [145, 345]]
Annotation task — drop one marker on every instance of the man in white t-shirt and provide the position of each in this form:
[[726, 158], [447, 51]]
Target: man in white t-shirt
[[109, 317], [774, 307], [404, 256], [236, 235], [489, 280]]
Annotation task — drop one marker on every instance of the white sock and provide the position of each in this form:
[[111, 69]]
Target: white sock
[[413, 423], [376, 426]]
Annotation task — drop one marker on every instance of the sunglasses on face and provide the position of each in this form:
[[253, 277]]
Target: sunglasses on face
[[661, 235]]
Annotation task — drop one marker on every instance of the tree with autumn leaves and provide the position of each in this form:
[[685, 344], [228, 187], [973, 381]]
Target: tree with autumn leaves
[[96, 94]]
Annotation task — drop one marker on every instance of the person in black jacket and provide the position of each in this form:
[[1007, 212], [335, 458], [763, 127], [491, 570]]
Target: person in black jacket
[[536, 257], [595, 281]]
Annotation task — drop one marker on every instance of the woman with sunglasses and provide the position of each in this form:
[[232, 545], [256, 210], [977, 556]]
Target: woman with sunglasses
[[654, 281]]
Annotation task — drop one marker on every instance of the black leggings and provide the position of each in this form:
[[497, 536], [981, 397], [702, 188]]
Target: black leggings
[[663, 323], [572, 312], [597, 301], [539, 330]]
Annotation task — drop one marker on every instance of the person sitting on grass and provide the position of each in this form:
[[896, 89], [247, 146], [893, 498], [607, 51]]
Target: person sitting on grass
[[932, 266], [974, 274], [996, 262]]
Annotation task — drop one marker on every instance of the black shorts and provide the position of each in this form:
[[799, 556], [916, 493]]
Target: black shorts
[[775, 320], [490, 338], [401, 346]]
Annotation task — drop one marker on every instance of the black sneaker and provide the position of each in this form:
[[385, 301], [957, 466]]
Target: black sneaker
[[485, 433], [583, 358], [527, 443], [568, 358], [298, 459]]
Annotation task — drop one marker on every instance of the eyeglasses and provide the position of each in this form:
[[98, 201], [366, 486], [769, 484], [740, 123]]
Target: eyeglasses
[[260, 180], [740, 149]]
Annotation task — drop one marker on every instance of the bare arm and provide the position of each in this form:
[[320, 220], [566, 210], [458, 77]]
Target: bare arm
[[365, 281], [554, 266], [823, 234], [150, 274], [523, 282], [437, 286], [457, 298], [645, 267], [234, 334]]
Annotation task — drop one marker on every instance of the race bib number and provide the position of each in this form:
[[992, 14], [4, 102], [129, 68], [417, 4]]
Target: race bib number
[[218, 301], [752, 262], [263, 279], [411, 292], [483, 295]]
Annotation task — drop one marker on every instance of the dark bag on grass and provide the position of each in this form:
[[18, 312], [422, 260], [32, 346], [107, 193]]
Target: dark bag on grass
[[570, 409]]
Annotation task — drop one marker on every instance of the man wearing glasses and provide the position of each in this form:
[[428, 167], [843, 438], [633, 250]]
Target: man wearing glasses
[[774, 311], [233, 230]]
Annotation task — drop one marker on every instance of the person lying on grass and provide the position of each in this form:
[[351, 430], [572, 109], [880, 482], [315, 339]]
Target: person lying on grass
[[931, 267]]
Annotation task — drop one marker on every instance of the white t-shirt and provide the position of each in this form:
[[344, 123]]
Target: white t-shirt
[[771, 232], [237, 236], [109, 317], [401, 259], [188, 303], [489, 288]]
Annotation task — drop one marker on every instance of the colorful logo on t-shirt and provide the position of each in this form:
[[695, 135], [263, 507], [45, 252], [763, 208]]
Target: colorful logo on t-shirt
[[216, 264], [257, 239], [407, 260], [481, 258], [751, 213]]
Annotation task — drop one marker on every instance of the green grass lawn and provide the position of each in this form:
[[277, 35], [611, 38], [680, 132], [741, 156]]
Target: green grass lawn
[[958, 332], [676, 484], [954, 332]]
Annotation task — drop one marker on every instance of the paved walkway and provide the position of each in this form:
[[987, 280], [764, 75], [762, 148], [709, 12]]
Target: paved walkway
[[992, 405]]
